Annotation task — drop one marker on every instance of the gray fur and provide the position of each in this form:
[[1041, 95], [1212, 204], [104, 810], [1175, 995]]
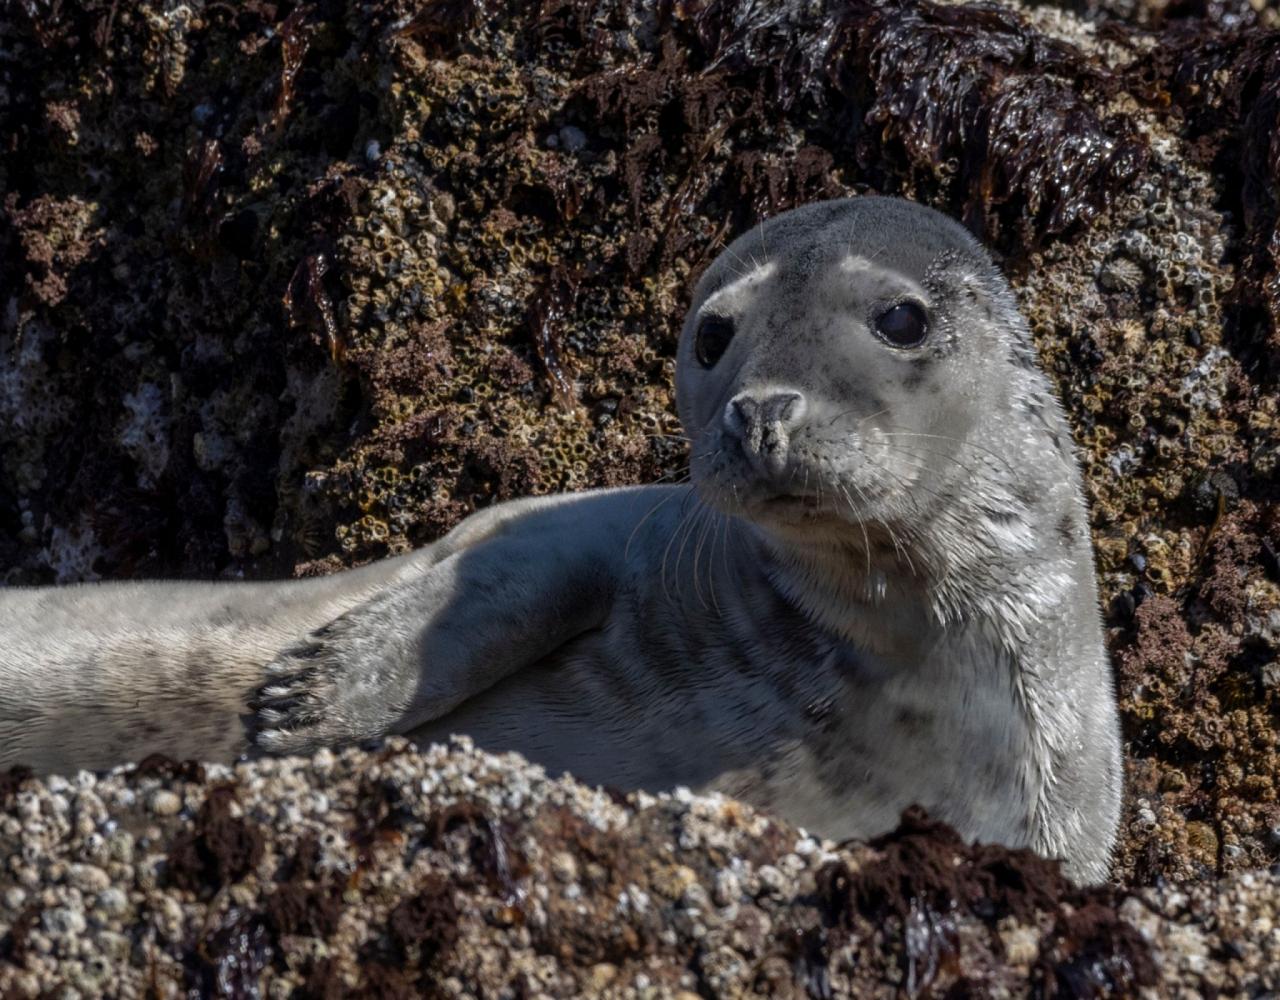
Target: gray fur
[[878, 590]]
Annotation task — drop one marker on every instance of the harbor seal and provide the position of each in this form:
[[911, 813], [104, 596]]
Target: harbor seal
[[876, 590]]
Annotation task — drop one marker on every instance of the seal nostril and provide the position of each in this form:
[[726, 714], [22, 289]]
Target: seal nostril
[[785, 408], [747, 417], [739, 414]]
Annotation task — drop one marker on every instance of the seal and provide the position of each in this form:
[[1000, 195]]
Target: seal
[[877, 589]]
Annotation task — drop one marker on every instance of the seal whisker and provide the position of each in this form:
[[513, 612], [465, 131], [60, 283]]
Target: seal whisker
[[973, 483], [709, 534], [725, 525], [699, 518], [861, 420], [696, 522], [666, 552], [713, 534], [626, 549], [681, 529], [655, 436], [708, 524], [911, 485], [918, 455], [888, 526], [676, 477], [976, 473], [901, 549], [909, 489], [746, 268], [906, 487], [866, 539], [953, 440], [914, 453]]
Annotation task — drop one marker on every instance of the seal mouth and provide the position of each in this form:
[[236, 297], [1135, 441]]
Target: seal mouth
[[806, 505], [789, 500]]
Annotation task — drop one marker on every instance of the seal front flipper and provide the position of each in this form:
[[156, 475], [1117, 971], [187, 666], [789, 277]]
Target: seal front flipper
[[438, 637]]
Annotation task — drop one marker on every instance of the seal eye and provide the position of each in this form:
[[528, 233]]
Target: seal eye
[[905, 325], [712, 339]]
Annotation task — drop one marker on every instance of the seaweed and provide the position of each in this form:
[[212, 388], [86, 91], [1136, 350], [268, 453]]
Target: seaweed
[[200, 178], [409, 958], [158, 765], [572, 934], [11, 782], [970, 102], [502, 867], [964, 103], [300, 907], [229, 960], [425, 925], [295, 39], [15, 945], [442, 26], [925, 875], [1091, 952], [218, 850], [307, 303], [381, 814], [917, 868], [69, 25], [548, 312]]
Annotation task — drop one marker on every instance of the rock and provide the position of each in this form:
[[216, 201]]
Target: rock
[[409, 887], [283, 289]]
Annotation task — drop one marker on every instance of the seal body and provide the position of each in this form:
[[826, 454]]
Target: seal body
[[878, 589]]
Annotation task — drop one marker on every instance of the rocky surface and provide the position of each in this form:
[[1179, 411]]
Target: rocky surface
[[288, 287], [453, 873]]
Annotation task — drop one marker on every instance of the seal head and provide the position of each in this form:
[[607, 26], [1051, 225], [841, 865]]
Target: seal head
[[856, 373]]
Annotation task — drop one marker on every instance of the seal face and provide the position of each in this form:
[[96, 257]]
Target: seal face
[[878, 589], [858, 379]]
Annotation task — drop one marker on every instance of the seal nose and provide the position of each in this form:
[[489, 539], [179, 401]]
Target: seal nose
[[763, 421]]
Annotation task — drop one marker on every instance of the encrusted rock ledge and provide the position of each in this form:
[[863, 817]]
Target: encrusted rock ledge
[[451, 872]]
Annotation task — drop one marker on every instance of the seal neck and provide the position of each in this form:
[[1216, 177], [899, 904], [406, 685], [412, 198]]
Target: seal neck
[[1024, 630], [850, 593], [903, 590]]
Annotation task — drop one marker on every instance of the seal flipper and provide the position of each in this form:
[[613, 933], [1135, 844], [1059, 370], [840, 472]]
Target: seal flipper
[[434, 639], [326, 690]]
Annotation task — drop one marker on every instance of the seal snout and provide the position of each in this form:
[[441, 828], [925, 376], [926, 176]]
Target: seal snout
[[761, 421]]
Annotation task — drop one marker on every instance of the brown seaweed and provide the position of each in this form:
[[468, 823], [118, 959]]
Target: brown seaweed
[[548, 313], [307, 303]]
